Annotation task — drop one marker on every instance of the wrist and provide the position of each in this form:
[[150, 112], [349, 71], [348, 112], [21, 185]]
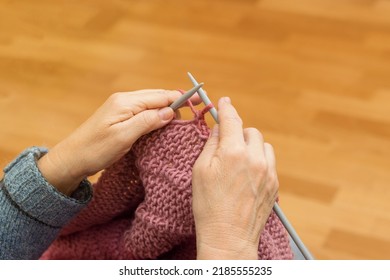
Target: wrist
[[210, 253], [60, 171], [225, 246]]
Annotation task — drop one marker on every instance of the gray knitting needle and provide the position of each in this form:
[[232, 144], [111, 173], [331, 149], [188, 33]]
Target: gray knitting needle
[[294, 235], [204, 97], [175, 105], [305, 252]]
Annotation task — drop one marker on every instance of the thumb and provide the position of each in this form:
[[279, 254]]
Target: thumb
[[147, 121]]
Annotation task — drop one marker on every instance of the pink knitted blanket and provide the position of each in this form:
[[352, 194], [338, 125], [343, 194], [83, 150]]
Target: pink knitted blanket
[[141, 207]]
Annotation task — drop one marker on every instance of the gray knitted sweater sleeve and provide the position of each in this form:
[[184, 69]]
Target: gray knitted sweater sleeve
[[32, 212]]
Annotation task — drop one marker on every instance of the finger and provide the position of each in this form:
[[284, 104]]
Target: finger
[[231, 132], [211, 145], [270, 156], [255, 141], [151, 99], [195, 99], [141, 100], [145, 122], [272, 174]]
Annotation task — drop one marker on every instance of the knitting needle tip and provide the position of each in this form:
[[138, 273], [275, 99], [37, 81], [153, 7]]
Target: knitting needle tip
[[204, 98], [187, 95]]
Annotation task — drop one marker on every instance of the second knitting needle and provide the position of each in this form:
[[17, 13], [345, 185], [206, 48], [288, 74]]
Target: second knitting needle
[[182, 99]]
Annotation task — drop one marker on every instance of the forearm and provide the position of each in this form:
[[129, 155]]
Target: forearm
[[32, 212]]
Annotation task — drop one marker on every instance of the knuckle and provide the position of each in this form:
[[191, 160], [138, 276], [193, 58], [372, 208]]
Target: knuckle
[[148, 120], [254, 132], [115, 95], [232, 118], [235, 152], [272, 186], [259, 165], [115, 99], [273, 180]]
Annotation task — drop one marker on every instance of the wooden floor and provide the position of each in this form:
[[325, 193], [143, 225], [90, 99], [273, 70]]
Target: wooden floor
[[312, 75]]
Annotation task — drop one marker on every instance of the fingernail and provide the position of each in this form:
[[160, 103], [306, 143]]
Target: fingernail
[[165, 114], [227, 100], [224, 100]]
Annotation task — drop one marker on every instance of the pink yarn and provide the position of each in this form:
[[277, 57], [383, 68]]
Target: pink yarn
[[141, 207]]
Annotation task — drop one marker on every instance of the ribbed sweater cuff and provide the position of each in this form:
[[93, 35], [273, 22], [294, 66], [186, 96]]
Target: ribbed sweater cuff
[[35, 197]]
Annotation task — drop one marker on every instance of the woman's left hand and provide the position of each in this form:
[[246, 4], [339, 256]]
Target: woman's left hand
[[107, 136]]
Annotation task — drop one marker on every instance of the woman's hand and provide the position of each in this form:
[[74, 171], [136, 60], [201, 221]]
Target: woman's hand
[[234, 189], [107, 136]]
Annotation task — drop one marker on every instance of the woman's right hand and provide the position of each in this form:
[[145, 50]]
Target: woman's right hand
[[235, 186]]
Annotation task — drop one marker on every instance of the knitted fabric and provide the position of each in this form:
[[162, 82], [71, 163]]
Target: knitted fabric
[[141, 207]]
